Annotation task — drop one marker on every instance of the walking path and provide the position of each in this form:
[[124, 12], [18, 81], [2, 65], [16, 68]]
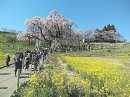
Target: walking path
[[63, 66], [8, 82]]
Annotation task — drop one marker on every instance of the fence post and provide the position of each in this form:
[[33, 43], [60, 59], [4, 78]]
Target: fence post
[[39, 65], [31, 70], [18, 76]]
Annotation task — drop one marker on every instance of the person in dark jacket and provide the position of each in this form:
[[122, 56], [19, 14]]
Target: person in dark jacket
[[7, 60], [27, 62], [35, 62], [18, 65]]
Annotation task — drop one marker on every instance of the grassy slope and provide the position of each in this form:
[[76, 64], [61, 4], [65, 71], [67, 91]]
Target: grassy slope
[[10, 48]]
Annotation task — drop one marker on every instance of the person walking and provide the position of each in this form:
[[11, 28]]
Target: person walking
[[27, 62], [14, 57], [7, 60], [35, 62], [22, 58], [18, 65]]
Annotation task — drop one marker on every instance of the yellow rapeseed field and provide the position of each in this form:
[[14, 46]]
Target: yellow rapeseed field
[[105, 76], [56, 84]]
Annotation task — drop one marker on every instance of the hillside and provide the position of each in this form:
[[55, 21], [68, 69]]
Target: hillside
[[9, 45]]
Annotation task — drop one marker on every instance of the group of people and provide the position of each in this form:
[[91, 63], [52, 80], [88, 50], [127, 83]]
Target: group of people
[[22, 60]]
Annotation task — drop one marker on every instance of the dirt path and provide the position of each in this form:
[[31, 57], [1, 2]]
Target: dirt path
[[63, 66]]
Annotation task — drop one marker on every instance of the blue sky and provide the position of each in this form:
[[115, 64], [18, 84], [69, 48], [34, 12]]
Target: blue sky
[[87, 14]]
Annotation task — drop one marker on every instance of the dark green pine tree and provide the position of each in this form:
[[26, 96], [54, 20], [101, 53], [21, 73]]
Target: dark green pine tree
[[108, 27], [113, 28], [104, 29]]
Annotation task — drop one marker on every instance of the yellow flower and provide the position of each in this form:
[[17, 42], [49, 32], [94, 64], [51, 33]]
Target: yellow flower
[[99, 69]]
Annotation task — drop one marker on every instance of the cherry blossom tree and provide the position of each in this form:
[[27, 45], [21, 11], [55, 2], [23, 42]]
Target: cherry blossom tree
[[21, 37], [53, 27]]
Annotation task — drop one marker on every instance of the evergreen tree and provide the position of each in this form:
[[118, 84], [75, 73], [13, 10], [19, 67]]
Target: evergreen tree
[[108, 27], [113, 28], [104, 29]]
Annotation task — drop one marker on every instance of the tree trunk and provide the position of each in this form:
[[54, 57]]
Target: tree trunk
[[101, 45]]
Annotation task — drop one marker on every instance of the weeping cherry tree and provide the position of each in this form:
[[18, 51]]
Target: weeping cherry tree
[[50, 29]]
